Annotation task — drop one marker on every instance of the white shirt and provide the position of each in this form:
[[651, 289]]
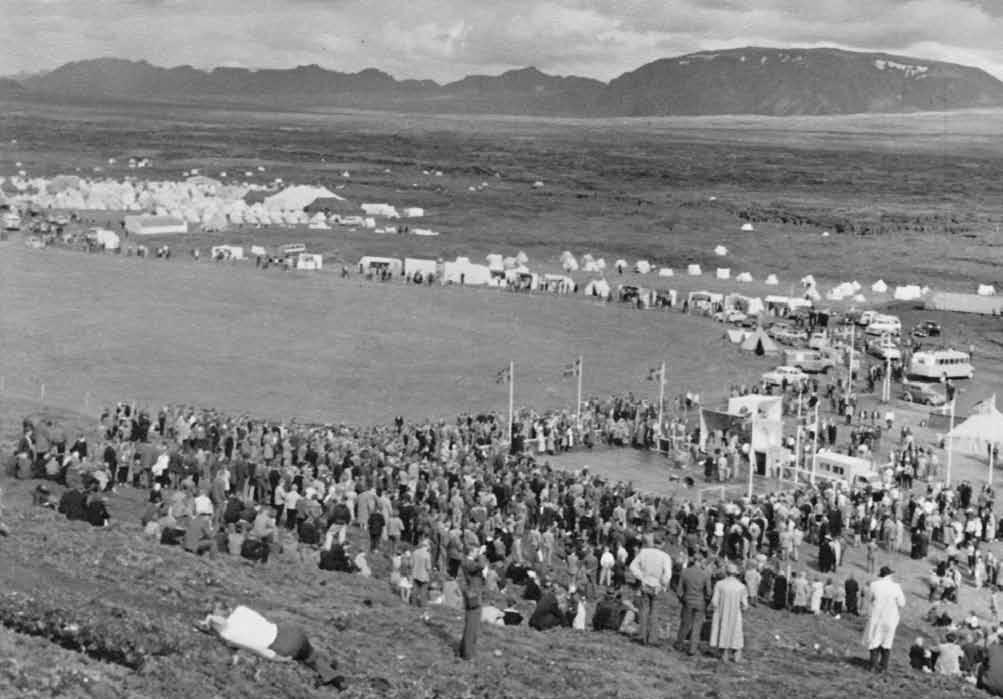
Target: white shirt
[[248, 629], [652, 567]]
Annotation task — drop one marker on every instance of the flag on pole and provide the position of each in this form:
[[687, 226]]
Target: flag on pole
[[572, 369], [655, 374], [503, 375]]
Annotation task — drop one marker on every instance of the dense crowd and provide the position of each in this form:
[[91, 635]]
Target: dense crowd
[[455, 513]]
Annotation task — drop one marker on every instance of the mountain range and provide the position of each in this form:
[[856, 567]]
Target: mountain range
[[765, 81]]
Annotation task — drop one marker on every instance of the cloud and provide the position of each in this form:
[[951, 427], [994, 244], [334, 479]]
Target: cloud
[[446, 39]]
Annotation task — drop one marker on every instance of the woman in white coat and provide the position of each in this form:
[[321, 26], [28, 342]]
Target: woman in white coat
[[886, 599]]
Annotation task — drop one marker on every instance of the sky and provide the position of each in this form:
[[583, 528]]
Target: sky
[[447, 39]]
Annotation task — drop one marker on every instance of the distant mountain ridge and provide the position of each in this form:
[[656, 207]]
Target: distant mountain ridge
[[748, 80]]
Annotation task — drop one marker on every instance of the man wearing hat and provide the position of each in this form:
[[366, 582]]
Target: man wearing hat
[[886, 598], [652, 567]]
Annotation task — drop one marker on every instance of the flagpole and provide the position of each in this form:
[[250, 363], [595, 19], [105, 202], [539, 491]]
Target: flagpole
[[752, 452], [814, 447], [947, 478], [661, 395], [578, 412], [797, 440], [511, 397]]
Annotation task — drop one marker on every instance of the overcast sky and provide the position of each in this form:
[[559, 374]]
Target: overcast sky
[[446, 39]]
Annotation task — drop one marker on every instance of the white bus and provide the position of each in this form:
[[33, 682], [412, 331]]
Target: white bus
[[940, 364]]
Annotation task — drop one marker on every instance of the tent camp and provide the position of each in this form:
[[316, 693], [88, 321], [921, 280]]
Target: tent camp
[[665, 272], [464, 272], [693, 270], [723, 273], [879, 287], [978, 432], [760, 344], [771, 280]]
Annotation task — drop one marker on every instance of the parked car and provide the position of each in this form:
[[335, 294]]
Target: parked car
[[732, 315], [787, 334], [790, 374], [927, 328], [810, 360], [922, 393], [884, 348]]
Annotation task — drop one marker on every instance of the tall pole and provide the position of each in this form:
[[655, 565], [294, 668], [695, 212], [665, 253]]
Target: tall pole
[[814, 446], [947, 477], [849, 373], [581, 367], [886, 385], [992, 464], [752, 452], [661, 395], [511, 397], [797, 442]]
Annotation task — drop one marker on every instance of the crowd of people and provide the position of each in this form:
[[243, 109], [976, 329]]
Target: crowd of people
[[461, 515]]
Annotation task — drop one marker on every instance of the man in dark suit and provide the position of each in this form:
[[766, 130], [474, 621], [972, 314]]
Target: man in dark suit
[[694, 593]]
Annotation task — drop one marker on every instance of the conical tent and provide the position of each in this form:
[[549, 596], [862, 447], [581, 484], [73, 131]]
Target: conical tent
[[977, 433], [759, 343]]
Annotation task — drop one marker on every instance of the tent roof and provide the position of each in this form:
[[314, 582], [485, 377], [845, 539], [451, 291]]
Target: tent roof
[[980, 428], [758, 341]]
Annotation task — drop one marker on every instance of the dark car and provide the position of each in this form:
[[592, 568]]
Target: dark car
[[927, 328], [923, 394]]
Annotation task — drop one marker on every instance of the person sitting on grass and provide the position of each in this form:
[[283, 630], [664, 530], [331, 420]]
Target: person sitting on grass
[[246, 629], [73, 504], [200, 537]]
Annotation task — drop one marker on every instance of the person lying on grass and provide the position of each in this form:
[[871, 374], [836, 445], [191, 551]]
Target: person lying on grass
[[246, 629]]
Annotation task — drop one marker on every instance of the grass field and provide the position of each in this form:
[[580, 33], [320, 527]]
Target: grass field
[[315, 346]]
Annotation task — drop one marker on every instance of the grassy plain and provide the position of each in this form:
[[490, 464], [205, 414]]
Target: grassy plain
[[929, 184]]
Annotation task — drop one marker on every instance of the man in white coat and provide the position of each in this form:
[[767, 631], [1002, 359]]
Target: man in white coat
[[886, 599]]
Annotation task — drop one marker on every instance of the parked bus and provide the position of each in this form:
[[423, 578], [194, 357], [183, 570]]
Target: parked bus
[[940, 364]]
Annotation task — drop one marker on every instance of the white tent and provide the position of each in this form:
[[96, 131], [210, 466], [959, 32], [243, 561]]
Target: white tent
[[413, 212], [591, 266], [694, 270], [860, 298], [495, 261], [986, 290], [879, 287], [642, 267], [620, 265], [909, 292], [522, 258], [666, 272], [413, 265], [720, 251], [384, 210], [107, 239], [570, 264], [723, 273], [744, 277], [258, 251], [771, 280], [747, 227], [309, 261], [298, 197], [599, 288], [974, 435]]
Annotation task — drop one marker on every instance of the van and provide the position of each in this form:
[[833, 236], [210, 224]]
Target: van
[[810, 361], [851, 470]]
